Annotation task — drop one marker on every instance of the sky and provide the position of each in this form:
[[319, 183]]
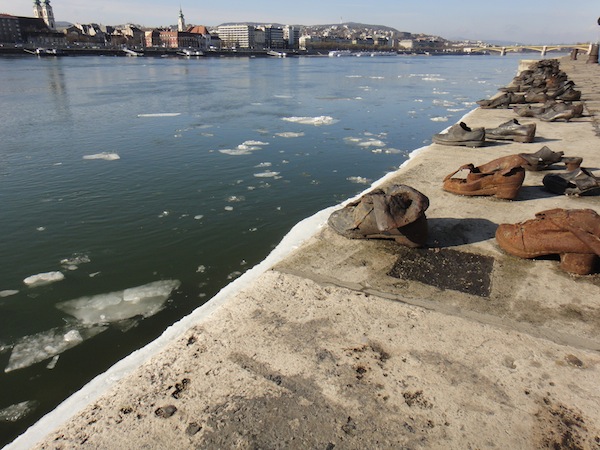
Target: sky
[[512, 21]]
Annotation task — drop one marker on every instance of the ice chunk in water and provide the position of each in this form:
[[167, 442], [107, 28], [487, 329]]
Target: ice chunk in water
[[290, 134], [17, 411], [316, 121], [267, 174], [8, 293], [38, 347], [52, 364], [104, 155], [143, 301], [159, 115], [43, 278]]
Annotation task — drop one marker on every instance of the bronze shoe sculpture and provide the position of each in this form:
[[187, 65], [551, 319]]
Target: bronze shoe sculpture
[[544, 158], [504, 100], [578, 182], [573, 234], [502, 178], [461, 134], [395, 212], [512, 131]]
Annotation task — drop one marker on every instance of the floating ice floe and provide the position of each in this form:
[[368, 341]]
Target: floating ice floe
[[316, 121], [245, 148], [234, 274], [228, 208], [234, 152], [439, 119], [365, 142], [143, 301], [8, 293], [35, 348], [16, 412], [358, 180], [43, 278], [159, 115], [267, 174], [455, 109], [290, 134], [445, 103], [74, 261], [104, 155], [52, 364]]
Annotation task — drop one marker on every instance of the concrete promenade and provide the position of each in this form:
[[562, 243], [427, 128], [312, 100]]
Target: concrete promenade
[[360, 344]]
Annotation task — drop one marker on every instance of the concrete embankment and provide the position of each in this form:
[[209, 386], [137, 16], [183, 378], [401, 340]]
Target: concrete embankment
[[362, 344]]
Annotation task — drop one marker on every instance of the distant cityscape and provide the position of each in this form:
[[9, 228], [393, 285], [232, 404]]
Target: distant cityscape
[[42, 30]]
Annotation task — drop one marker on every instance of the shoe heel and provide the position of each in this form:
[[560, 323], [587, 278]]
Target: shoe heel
[[572, 162], [578, 263], [524, 139], [509, 192]]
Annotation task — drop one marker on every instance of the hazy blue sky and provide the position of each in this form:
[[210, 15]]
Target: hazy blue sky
[[526, 21]]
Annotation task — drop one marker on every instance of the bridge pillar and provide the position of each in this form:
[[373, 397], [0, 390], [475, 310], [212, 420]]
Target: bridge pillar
[[593, 56], [544, 50], [503, 52]]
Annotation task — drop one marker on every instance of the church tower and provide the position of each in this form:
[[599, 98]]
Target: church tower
[[47, 14], [181, 22], [37, 10]]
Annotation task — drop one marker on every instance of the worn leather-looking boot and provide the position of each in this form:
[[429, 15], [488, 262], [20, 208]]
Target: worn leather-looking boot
[[512, 131], [461, 134], [395, 212], [573, 234]]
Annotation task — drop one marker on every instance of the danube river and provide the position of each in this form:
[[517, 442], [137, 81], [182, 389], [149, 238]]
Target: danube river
[[134, 189]]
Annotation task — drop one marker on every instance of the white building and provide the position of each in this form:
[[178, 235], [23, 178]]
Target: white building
[[238, 36]]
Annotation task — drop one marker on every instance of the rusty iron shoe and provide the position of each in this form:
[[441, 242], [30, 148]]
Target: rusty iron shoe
[[396, 212], [501, 178], [461, 134], [512, 131], [573, 234]]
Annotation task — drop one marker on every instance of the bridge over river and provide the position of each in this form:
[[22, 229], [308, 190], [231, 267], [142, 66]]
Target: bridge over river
[[543, 49]]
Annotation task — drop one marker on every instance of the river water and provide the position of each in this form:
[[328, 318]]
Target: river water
[[134, 189]]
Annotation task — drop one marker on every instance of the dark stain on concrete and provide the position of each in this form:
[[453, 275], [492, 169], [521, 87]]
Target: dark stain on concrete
[[445, 269]]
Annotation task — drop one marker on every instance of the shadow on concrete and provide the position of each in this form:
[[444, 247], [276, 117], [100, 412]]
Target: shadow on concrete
[[451, 232]]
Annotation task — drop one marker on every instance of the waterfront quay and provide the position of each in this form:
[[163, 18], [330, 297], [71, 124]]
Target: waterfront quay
[[333, 343]]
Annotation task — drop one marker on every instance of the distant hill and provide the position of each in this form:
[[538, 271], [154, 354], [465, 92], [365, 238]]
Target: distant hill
[[351, 25]]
